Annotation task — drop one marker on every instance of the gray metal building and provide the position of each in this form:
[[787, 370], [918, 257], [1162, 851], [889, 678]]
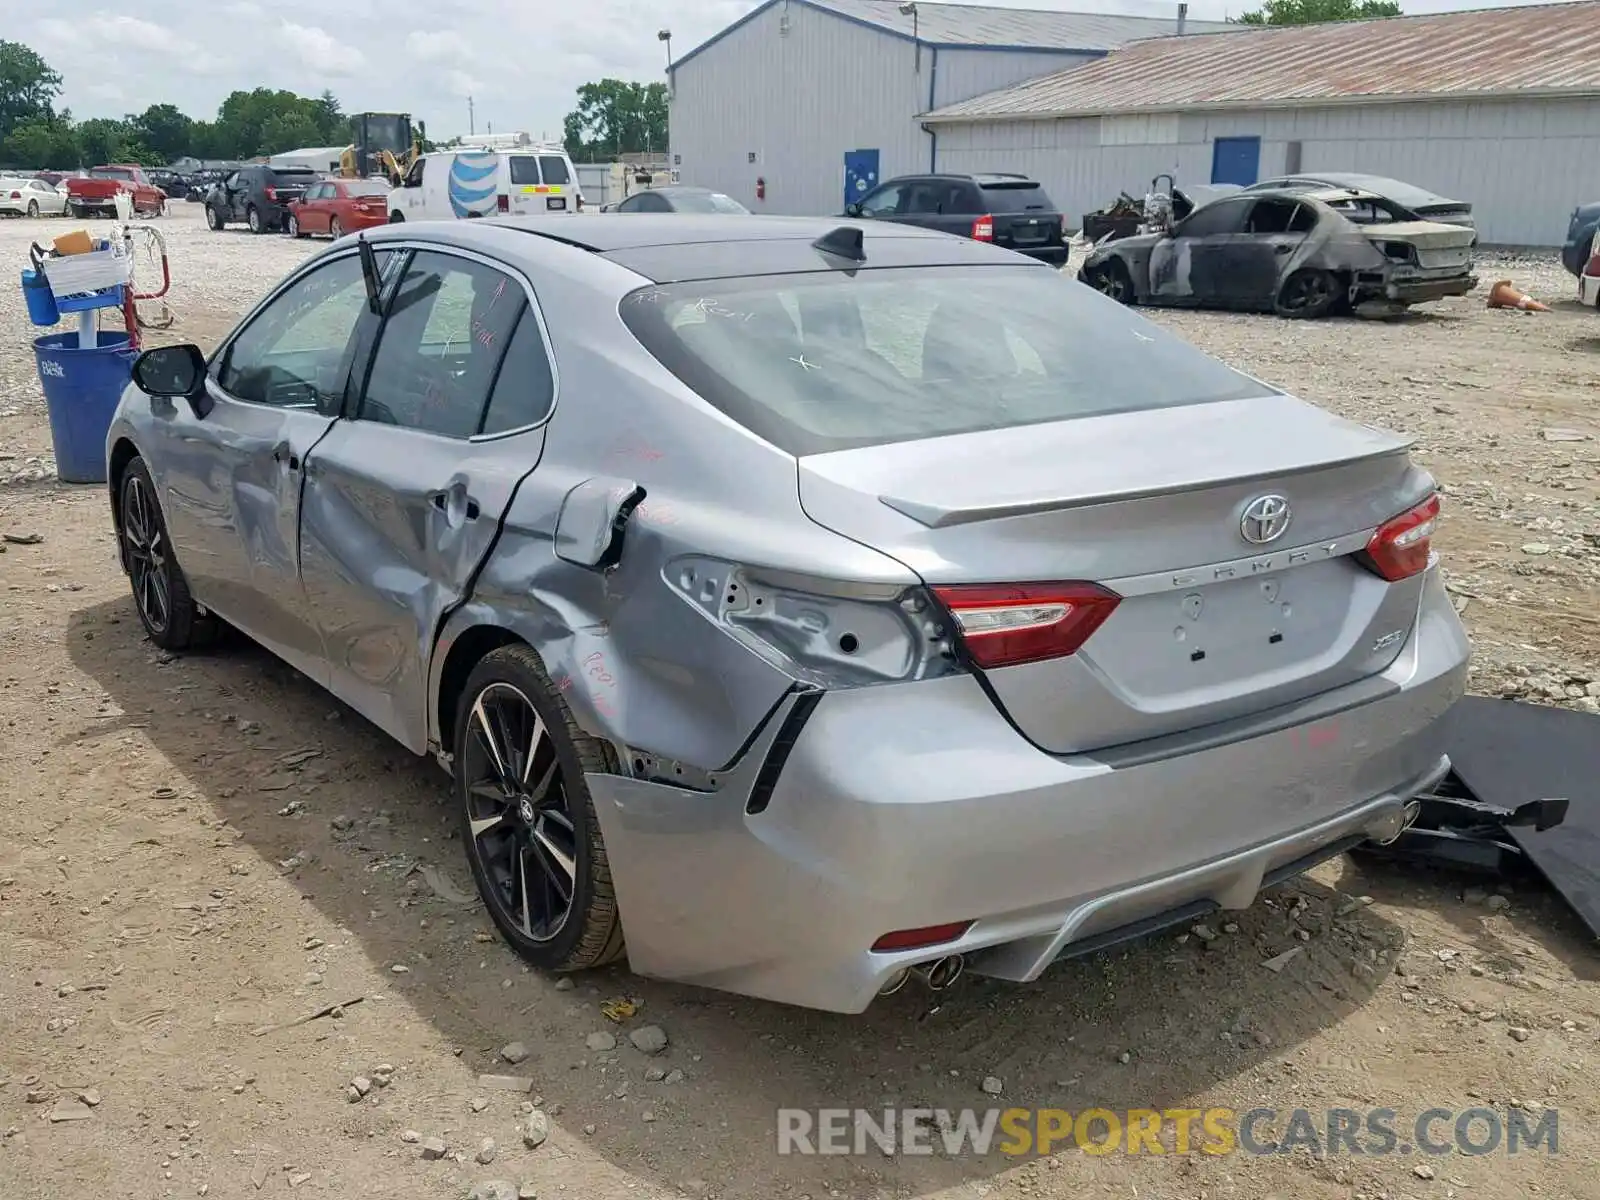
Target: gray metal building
[[1498, 107], [817, 97]]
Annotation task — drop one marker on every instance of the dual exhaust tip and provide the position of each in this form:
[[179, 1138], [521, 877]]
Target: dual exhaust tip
[[936, 976], [1391, 830]]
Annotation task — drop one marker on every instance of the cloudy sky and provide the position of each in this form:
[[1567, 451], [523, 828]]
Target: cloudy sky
[[520, 62]]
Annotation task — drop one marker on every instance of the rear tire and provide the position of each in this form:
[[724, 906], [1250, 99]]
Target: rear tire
[[167, 611], [335, 229], [252, 218], [1307, 295], [214, 221], [396, 217], [521, 758], [33, 208]]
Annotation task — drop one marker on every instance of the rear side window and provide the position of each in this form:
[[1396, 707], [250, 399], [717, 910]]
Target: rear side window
[[823, 361], [554, 168], [440, 348], [524, 170], [525, 389], [1015, 198]]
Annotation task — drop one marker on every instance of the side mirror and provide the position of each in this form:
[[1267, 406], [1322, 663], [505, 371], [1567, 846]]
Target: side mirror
[[852, 209], [589, 529], [170, 371]]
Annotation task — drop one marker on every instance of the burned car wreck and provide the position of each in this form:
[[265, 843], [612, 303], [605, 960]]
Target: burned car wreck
[[1297, 252]]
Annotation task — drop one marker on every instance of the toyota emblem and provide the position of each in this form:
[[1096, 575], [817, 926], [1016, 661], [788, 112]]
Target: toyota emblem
[[1264, 520]]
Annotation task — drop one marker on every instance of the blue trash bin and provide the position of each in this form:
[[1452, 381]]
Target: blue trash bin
[[81, 390]]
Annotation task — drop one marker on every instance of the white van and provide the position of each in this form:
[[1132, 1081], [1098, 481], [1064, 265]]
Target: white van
[[480, 183]]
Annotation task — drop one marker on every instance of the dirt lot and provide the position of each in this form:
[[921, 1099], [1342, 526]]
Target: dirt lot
[[197, 848]]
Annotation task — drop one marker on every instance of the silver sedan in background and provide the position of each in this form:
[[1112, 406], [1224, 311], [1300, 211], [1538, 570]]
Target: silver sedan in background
[[800, 606]]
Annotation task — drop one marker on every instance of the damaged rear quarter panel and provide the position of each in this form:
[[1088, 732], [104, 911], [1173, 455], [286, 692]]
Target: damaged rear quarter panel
[[638, 664]]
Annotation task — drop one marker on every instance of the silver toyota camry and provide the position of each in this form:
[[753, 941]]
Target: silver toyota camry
[[802, 607]]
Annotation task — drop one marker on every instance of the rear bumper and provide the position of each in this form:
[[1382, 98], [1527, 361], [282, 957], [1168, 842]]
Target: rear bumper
[[92, 203], [907, 806], [1420, 291]]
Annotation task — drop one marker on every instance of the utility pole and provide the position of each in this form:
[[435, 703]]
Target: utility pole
[[472, 127]]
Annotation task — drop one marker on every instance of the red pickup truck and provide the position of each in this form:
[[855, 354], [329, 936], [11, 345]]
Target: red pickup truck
[[96, 193]]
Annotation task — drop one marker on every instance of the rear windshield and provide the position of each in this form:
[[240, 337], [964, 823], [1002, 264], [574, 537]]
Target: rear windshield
[[110, 173], [366, 187], [1015, 197], [524, 170], [555, 168], [293, 176], [823, 361]]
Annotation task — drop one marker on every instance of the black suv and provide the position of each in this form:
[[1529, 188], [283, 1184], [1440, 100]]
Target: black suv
[[1009, 210], [257, 196]]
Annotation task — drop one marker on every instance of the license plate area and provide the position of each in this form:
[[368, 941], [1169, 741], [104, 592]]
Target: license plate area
[[556, 203], [1166, 647]]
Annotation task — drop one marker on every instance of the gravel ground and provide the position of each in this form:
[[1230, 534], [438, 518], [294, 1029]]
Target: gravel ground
[[199, 850]]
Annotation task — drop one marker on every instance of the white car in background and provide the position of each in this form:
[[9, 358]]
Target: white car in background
[[1589, 281], [31, 198]]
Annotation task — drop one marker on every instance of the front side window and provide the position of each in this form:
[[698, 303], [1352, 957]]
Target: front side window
[[294, 353], [822, 361], [1223, 216], [884, 202], [414, 176], [446, 331]]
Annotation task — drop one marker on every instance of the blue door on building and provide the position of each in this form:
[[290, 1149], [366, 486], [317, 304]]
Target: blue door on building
[[1236, 160], [860, 174]]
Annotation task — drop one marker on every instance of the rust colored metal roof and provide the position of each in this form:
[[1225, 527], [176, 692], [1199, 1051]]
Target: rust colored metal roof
[[1544, 50]]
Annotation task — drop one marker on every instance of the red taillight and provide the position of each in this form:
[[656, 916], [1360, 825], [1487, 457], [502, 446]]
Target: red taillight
[[1402, 545], [16, 195], [915, 939], [983, 229], [504, 204], [272, 194], [1003, 624]]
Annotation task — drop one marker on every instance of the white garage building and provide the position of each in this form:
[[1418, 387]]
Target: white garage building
[[1498, 107], [800, 94]]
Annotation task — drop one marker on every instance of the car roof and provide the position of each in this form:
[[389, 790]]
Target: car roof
[[678, 247], [1397, 190]]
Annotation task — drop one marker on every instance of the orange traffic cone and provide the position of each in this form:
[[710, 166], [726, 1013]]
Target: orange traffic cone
[[1503, 295]]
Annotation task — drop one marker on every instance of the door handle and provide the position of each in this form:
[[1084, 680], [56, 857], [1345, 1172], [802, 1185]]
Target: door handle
[[283, 455], [441, 501]]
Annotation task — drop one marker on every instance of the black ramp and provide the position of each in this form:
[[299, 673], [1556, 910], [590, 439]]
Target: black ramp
[[1509, 754]]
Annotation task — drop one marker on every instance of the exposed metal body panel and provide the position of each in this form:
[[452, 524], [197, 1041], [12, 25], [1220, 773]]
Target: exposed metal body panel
[[1521, 163], [1550, 50]]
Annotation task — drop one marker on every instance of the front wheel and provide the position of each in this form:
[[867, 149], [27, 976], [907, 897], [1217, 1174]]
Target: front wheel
[[167, 611], [1112, 280], [1307, 295], [396, 217], [214, 221], [292, 226], [335, 229], [527, 821]]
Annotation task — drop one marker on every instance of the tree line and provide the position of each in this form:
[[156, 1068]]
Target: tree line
[[612, 117], [263, 121]]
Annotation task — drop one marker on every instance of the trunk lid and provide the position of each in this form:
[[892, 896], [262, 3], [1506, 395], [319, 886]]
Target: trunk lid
[[1150, 504], [1436, 245], [95, 189]]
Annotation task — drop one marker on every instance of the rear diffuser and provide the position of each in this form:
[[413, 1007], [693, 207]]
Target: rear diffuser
[[1524, 791]]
